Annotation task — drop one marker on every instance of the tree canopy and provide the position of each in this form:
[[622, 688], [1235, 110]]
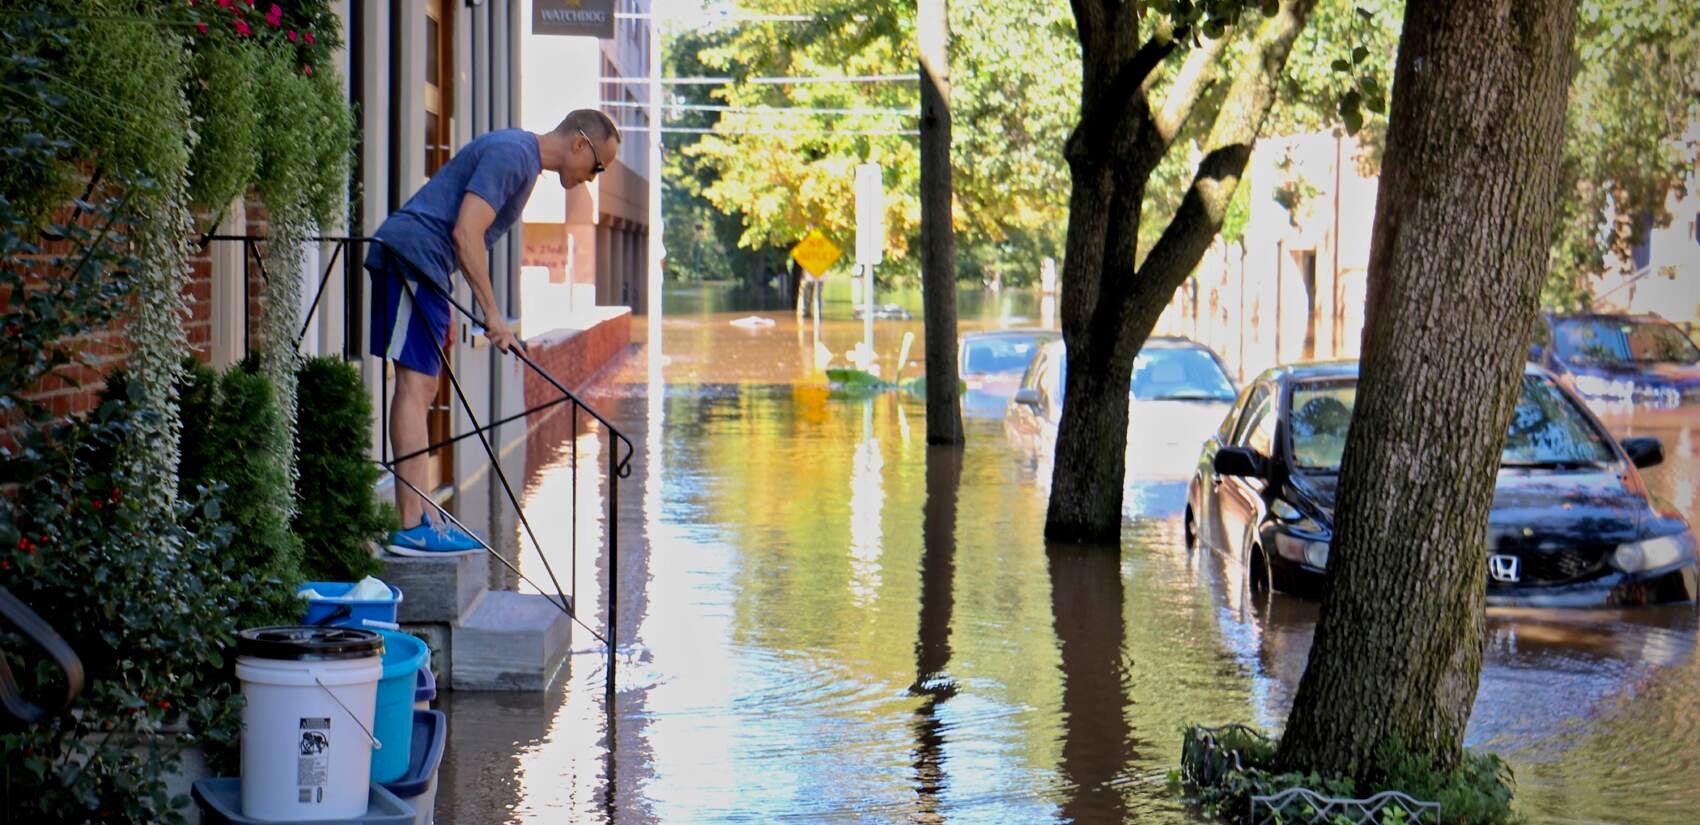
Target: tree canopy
[[1016, 95]]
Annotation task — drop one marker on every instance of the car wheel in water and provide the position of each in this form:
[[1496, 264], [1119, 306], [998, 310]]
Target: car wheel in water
[[1258, 571], [1190, 530]]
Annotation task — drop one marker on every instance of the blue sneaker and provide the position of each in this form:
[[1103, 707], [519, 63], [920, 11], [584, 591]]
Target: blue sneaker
[[433, 538]]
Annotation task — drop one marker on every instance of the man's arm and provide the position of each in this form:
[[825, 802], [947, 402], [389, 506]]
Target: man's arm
[[474, 219]]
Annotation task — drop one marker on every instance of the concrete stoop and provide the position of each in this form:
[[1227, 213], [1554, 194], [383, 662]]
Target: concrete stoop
[[510, 641], [480, 639]]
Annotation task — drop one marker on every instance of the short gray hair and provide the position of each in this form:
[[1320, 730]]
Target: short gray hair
[[594, 124]]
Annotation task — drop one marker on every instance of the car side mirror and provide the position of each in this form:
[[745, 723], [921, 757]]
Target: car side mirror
[[1028, 396], [1240, 461], [1644, 451]]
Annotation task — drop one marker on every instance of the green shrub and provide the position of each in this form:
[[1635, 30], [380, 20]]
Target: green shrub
[[238, 446], [337, 514], [148, 600], [1477, 792]]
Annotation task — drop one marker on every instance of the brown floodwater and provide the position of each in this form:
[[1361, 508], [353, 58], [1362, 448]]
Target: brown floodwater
[[822, 619]]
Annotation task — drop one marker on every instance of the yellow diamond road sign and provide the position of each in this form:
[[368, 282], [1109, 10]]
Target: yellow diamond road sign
[[815, 253]]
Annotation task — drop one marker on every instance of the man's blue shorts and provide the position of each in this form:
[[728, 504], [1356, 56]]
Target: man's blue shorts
[[410, 324]]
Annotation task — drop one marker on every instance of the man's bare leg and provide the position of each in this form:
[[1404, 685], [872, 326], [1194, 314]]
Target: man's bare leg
[[414, 391]]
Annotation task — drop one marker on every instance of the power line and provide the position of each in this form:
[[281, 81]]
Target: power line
[[761, 110], [707, 19], [690, 130], [774, 81]]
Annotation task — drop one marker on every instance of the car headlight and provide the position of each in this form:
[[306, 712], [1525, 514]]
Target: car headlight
[[1653, 554], [1307, 551]]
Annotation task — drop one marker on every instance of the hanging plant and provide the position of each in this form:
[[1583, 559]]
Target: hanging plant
[[227, 122]]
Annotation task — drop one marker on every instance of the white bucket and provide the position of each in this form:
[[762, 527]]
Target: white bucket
[[306, 727]]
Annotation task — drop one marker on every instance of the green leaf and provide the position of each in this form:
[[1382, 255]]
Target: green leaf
[[1341, 65], [1360, 54], [1365, 13], [1354, 121], [1271, 8]]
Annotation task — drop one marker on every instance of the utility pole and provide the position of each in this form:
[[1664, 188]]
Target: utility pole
[[938, 236]]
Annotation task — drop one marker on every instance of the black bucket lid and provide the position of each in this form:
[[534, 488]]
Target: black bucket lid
[[309, 644]]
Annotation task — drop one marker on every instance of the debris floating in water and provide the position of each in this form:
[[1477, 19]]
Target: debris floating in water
[[753, 322]]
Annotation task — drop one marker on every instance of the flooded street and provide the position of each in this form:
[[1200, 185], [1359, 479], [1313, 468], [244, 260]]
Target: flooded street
[[821, 619]]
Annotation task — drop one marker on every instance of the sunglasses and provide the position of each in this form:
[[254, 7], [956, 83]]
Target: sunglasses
[[597, 159]]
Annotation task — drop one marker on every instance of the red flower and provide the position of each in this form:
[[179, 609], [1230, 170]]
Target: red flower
[[275, 17], [23, 544], [309, 38], [201, 27], [243, 29], [307, 70], [165, 704], [5, 565], [250, 3], [224, 4], [291, 35], [97, 504]]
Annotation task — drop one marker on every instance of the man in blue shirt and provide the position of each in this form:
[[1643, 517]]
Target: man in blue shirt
[[449, 224]]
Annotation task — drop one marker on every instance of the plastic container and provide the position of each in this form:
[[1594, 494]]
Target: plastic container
[[308, 720], [418, 787], [404, 655], [425, 688], [221, 803], [334, 610]]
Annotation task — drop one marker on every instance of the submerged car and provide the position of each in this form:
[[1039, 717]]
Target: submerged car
[[991, 364], [1178, 391], [1572, 523], [1638, 358]]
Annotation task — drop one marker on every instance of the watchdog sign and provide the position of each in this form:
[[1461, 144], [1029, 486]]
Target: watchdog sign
[[587, 18]]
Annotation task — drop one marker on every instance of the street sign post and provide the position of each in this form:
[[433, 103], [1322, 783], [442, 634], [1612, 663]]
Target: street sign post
[[870, 245]]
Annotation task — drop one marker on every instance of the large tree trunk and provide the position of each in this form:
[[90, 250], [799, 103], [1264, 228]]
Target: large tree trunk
[[938, 236], [1108, 306], [1467, 210]]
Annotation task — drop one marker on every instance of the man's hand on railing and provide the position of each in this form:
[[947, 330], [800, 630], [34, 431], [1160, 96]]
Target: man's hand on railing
[[503, 338]]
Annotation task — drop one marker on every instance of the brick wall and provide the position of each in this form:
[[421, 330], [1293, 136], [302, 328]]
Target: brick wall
[[76, 388], [575, 356]]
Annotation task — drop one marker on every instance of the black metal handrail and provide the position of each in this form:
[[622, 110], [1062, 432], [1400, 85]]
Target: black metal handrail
[[619, 461]]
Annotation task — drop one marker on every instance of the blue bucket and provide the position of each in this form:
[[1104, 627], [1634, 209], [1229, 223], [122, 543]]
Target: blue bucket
[[404, 655], [335, 610]]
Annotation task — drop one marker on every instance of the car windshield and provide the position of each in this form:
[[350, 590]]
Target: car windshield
[[998, 353], [1179, 374], [1547, 430], [1622, 341]]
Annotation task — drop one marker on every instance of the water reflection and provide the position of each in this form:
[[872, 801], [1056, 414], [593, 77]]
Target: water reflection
[[932, 646], [825, 621], [1087, 598]]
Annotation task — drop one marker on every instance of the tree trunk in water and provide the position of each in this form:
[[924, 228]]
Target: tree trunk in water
[[938, 236], [1467, 211], [1109, 306]]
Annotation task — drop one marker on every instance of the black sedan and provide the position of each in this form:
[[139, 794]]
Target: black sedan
[[1572, 523]]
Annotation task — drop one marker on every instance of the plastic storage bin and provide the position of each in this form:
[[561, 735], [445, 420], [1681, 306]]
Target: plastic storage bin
[[334, 610], [425, 689], [221, 803], [404, 655], [418, 787], [307, 721]]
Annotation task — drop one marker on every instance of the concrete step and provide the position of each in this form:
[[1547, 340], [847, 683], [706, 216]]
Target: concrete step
[[509, 642], [436, 590]]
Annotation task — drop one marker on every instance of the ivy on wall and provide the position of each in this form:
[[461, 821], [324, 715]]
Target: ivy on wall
[[119, 122]]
